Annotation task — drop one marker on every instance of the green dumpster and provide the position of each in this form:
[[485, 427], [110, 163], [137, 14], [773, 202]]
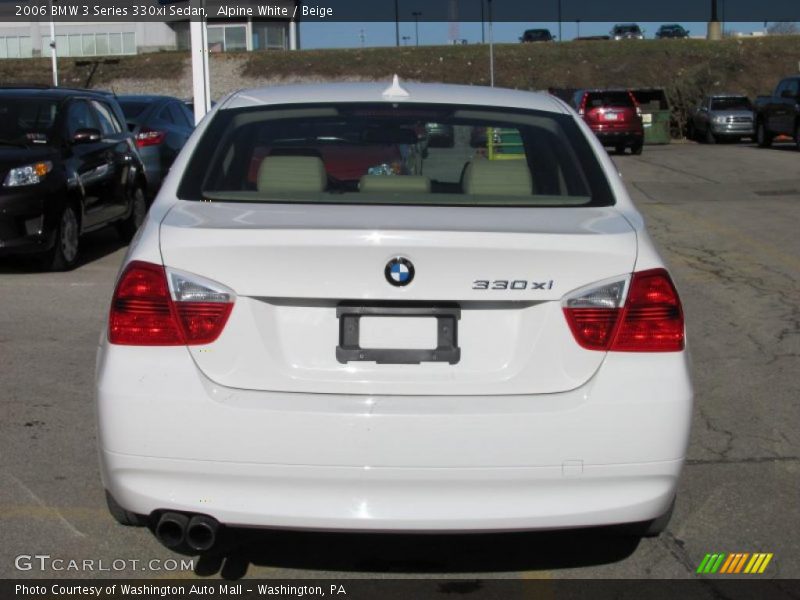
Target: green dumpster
[[655, 115]]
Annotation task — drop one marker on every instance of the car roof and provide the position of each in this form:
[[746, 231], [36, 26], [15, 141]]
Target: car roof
[[50, 92], [425, 93], [146, 98]]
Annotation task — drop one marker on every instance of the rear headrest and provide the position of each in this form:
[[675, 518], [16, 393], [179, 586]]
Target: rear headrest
[[498, 178], [292, 174], [395, 183]]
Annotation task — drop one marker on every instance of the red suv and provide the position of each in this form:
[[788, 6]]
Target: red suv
[[614, 116]]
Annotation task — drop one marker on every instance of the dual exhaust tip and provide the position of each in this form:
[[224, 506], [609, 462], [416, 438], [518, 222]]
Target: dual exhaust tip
[[198, 532]]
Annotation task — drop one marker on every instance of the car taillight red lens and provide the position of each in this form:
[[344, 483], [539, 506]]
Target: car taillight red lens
[[146, 312], [149, 137], [651, 319]]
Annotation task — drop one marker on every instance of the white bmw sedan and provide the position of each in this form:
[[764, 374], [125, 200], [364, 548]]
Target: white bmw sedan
[[328, 323]]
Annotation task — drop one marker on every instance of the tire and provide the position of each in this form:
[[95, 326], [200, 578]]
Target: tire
[[619, 149], [636, 149], [710, 138], [128, 228], [63, 256], [691, 134], [763, 138], [122, 516]]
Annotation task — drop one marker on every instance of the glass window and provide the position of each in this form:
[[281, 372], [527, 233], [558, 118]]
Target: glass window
[[62, 45], [13, 47], [102, 44], [216, 39], [115, 43], [89, 48], [129, 43], [80, 116], [75, 45], [108, 122], [165, 115], [3, 48], [29, 119], [178, 115], [235, 38], [424, 154], [731, 103], [25, 48]]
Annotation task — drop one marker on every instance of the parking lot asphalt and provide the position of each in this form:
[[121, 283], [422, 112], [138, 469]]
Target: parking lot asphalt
[[726, 219]]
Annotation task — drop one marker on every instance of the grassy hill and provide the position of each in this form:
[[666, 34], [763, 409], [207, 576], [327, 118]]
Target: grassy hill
[[687, 69]]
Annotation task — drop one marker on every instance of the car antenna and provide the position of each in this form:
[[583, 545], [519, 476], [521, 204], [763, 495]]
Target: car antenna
[[395, 90]]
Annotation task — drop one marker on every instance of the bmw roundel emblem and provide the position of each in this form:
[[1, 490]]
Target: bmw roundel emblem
[[399, 271]]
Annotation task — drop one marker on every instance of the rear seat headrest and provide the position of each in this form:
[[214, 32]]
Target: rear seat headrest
[[292, 174], [395, 183], [498, 178]]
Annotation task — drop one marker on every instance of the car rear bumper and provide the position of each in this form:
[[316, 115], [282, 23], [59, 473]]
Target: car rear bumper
[[615, 138], [608, 452]]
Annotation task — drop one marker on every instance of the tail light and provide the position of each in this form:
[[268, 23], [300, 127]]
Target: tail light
[[582, 107], [635, 104], [149, 137], [642, 313], [154, 306]]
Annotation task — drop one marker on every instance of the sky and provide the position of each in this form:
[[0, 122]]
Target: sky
[[349, 35]]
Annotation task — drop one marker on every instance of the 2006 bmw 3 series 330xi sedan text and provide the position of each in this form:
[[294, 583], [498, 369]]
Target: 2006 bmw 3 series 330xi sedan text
[[327, 323]]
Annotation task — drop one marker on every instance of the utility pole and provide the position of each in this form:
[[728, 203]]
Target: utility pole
[[559, 20], [491, 46], [483, 29], [397, 23], [416, 15], [714, 29], [53, 53]]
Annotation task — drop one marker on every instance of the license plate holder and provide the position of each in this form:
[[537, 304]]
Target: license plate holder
[[350, 350]]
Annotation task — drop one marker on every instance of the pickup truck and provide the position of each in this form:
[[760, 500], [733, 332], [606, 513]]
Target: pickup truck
[[779, 114]]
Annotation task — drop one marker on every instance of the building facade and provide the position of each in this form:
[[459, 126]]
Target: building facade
[[32, 39]]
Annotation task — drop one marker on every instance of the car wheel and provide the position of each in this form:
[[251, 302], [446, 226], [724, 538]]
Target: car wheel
[[763, 139], [122, 516], [619, 149], [63, 256], [128, 228], [636, 150], [710, 137]]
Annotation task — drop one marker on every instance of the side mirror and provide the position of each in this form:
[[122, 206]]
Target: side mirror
[[87, 135]]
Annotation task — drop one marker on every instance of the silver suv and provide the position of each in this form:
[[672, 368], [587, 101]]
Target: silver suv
[[722, 117]]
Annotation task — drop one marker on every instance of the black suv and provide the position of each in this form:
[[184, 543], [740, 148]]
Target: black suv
[[68, 165]]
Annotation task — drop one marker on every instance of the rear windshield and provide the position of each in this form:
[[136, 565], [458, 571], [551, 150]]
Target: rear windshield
[[133, 108], [739, 103], [605, 99], [395, 154], [27, 121]]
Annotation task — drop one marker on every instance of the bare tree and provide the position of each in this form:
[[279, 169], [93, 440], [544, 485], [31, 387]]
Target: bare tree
[[783, 28]]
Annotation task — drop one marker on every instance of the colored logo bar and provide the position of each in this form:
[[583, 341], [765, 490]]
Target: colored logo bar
[[735, 562]]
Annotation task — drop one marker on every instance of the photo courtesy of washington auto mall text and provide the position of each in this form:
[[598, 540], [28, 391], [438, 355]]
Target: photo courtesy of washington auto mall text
[[399, 299]]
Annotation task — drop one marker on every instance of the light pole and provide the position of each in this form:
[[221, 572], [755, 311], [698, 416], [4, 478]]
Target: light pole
[[397, 22], [483, 30], [491, 46], [416, 14], [578, 25], [53, 54], [559, 20]]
